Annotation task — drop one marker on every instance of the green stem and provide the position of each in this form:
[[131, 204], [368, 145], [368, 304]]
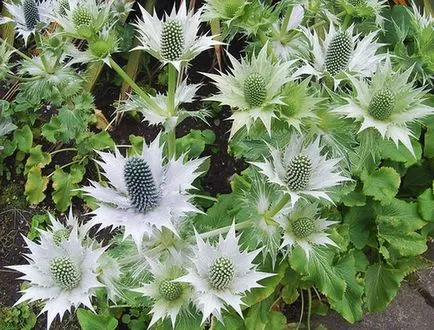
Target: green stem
[[342, 13], [205, 197], [134, 86], [62, 150], [79, 161], [171, 143], [280, 204], [173, 75], [285, 21], [302, 309], [309, 311], [224, 230], [346, 22]]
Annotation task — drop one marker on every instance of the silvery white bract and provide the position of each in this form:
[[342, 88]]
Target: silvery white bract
[[26, 14], [388, 103], [82, 19], [144, 192], [252, 89], [301, 170], [301, 226], [170, 298], [282, 46], [221, 274], [62, 274], [160, 114], [340, 54], [174, 40]]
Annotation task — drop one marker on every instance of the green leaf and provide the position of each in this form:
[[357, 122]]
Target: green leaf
[[261, 317], [194, 142], [428, 150], [361, 221], [90, 141], [389, 150], [350, 306], [136, 145], [24, 138], [91, 321], [37, 158], [381, 286], [426, 205], [382, 184], [64, 185], [35, 185], [319, 270], [231, 321]]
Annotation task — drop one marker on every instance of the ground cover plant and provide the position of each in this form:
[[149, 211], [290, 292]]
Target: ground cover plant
[[209, 164]]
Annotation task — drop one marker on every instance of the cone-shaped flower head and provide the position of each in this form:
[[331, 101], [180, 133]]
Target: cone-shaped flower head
[[340, 54], [174, 40], [221, 274], [252, 89], [61, 274], [301, 226], [26, 14], [388, 103], [144, 192], [302, 170]]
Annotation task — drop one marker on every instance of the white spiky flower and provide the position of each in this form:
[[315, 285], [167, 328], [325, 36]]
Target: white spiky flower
[[82, 19], [388, 103], [225, 10], [252, 89], [302, 170], [340, 54], [144, 192], [62, 275], [174, 40], [26, 14], [302, 226], [221, 275], [170, 298], [5, 56], [283, 43], [158, 112], [365, 9]]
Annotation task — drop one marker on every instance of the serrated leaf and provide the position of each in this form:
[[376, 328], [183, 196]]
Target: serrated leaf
[[319, 270], [425, 203], [24, 138], [389, 150], [35, 185], [360, 220], [64, 185], [381, 286], [382, 184], [350, 306], [91, 321], [37, 157]]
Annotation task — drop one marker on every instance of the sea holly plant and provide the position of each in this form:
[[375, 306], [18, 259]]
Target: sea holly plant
[[327, 122]]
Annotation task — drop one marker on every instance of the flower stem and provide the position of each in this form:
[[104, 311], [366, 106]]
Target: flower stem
[[133, 85], [309, 311], [280, 204], [173, 75], [206, 197], [62, 150], [171, 143], [346, 22], [285, 21], [238, 226]]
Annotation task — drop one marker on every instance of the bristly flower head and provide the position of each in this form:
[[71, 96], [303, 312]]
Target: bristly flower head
[[221, 274], [340, 54], [387, 104], [26, 15], [252, 89], [83, 19], [62, 275], [174, 40], [301, 226], [302, 170], [170, 298], [158, 112], [144, 192]]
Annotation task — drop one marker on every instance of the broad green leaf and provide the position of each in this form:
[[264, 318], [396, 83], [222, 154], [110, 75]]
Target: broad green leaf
[[428, 150], [261, 317], [389, 150], [381, 286], [361, 221], [136, 145], [231, 321], [426, 205], [90, 141], [38, 158], [382, 184], [91, 321], [350, 306], [319, 270], [24, 138], [35, 185], [64, 185], [194, 142]]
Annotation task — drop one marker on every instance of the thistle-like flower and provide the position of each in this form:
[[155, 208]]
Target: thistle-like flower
[[26, 15], [252, 89], [302, 226], [158, 113], [221, 274], [5, 55], [301, 170], [340, 54], [174, 40], [225, 10], [365, 9], [82, 19], [387, 104], [170, 298], [143, 192], [62, 275]]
